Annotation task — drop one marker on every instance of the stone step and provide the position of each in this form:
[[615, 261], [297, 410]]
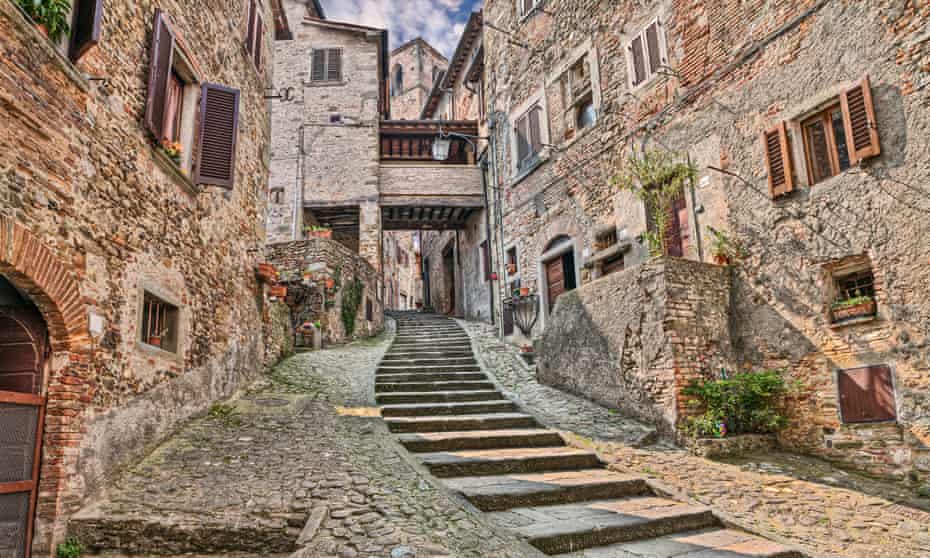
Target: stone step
[[430, 340], [495, 493], [420, 362], [430, 377], [507, 461], [415, 369], [496, 421], [422, 386], [463, 353], [438, 397], [445, 409], [434, 328], [572, 527], [479, 439], [706, 543]]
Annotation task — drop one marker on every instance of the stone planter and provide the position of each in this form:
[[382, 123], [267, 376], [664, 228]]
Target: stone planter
[[327, 234], [852, 312], [732, 446], [278, 291], [265, 272]]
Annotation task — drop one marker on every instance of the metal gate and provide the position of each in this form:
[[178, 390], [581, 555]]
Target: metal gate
[[22, 412]]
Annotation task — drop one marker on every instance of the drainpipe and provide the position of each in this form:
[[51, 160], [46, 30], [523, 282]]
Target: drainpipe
[[487, 232], [299, 190]]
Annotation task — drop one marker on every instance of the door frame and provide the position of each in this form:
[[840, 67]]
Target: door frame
[[556, 252], [32, 485]]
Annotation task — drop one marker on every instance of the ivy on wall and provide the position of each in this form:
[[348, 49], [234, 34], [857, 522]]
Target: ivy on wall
[[351, 300]]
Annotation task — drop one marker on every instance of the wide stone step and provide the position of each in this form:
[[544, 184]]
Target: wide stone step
[[414, 369], [573, 527], [429, 377], [706, 543], [494, 493], [392, 357], [506, 461], [420, 362], [443, 409], [423, 386], [430, 340], [496, 421], [479, 439], [438, 397]]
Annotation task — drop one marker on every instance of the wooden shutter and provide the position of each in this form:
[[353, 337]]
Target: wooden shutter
[[778, 160], [219, 126], [867, 394], [859, 121], [318, 66], [159, 72], [85, 29], [535, 135], [555, 280], [523, 146], [654, 47], [334, 65], [638, 60], [259, 41], [250, 32]]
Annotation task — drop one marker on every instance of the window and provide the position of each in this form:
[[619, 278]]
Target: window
[[825, 144], [159, 323], [646, 53], [86, 24], [326, 65], [512, 261], [866, 395], [854, 292], [369, 310], [529, 137], [397, 81], [255, 34], [171, 112], [578, 98], [277, 196], [526, 7]]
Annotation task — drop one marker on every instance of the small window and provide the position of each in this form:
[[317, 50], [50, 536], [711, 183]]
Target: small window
[[578, 98], [255, 34], [855, 295], [867, 395], [397, 81], [277, 196], [369, 310], [825, 144], [86, 24], [529, 137], [159, 323], [526, 7], [512, 268], [646, 54], [326, 65]]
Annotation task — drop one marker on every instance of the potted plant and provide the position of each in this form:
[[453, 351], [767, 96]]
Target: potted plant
[[524, 291], [330, 283], [155, 339], [50, 16], [511, 268], [724, 250], [173, 150], [278, 291], [853, 307], [318, 232], [265, 272]]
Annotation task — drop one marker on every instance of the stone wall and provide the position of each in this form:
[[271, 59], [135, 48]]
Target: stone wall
[[328, 259], [419, 60], [737, 70], [637, 356], [431, 184], [402, 282], [93, 214], [278, 332]]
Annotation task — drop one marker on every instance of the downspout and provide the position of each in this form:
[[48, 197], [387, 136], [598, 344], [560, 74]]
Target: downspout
[[299, 190], [487, 231]]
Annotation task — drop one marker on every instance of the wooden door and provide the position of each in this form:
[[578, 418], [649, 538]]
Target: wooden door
[[555, 280], [677, 237], [22, 409]]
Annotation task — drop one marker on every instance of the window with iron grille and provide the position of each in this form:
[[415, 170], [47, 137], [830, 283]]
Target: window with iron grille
[[854, 294], [159, 323]]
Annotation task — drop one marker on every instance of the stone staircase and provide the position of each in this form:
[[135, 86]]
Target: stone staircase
[[561, 500]]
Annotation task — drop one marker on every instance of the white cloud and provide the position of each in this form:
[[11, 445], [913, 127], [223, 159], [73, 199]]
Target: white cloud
[[406, 19]]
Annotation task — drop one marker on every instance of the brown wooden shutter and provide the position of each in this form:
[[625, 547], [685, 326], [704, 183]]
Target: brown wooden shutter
[[866, 394], [555, 279], [637, 57], [85, 29], [159, 72], [318, 66], [523, 146], [859, 121], [334, 65], [259, 42], [535, 135], [778, 160], [250, 32], [219, 126], [653, 46]]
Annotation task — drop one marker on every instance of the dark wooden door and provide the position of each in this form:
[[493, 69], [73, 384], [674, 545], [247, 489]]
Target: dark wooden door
[[555, 280], [22, 409], [678, 232]]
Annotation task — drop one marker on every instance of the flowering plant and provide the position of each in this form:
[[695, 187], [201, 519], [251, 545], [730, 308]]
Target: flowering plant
[[173, 150]]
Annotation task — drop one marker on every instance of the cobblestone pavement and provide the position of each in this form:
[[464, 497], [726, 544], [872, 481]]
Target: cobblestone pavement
[[301, 454], [554, 408], [803, 501]]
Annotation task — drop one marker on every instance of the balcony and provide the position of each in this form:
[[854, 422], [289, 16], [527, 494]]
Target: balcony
[[411, 141]]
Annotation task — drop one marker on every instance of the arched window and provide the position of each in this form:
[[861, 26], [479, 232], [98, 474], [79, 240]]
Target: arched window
[[397, 82], [436, 70]]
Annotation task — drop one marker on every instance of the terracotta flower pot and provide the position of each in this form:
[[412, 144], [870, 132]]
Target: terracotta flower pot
[[857, 311], [524, 291], [511, 268], [327, 234], [265, 272], [721, 259], [155, 341], [278, 291], [330, 283]]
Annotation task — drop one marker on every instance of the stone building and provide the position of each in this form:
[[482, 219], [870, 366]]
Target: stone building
[[806, 125], [415, 66], [403, 284], [457, 264], [128, 300]]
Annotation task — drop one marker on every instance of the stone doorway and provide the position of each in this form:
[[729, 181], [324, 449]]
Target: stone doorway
[[23, 355]]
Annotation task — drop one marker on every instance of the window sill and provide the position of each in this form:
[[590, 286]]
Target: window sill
[[172, 169], [873, 424], [574, 139], [157, 351], [542, 159], [325, 83], [26, 24], [853, 321]]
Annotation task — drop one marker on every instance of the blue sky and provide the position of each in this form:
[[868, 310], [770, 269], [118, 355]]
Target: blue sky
[[439, 22]]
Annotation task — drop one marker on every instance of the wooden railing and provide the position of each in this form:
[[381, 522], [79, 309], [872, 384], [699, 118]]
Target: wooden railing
[[412, 141]]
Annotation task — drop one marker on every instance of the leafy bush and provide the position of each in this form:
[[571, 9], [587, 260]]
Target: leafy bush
[[743, 404], [351, 300], [71, 548], [53, 14]]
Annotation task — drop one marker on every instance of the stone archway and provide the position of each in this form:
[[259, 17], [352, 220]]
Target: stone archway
[[37, 272]]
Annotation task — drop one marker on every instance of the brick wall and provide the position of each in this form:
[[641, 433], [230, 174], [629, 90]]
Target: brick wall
[[94, 208]]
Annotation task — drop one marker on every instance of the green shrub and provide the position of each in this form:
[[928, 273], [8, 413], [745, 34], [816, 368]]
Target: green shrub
[[53, 14], [742, 404], [71, 548]]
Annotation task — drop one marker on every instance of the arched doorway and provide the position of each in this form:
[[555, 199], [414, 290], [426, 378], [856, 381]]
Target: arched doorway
[[23, 354]]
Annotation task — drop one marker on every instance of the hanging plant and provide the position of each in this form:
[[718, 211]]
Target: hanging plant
[[658, 178]]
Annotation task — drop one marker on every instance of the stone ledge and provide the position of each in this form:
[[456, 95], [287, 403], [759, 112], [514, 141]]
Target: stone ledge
[[732, 446]]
